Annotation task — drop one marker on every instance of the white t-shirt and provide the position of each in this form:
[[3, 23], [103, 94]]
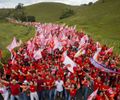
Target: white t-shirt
[[59, 85]]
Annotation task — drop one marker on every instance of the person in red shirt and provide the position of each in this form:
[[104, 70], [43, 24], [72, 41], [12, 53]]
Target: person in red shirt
[[51, 88], [20, 77], [39, 87], [28, 76], [15, 90], [85, 84], [100, 96], [33, 92], [25, 90], [7, 71], [67, 87], [73, 91], [97, 83]]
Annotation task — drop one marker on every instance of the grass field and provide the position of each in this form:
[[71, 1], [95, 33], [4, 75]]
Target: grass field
[[8, 31], [100, 20]]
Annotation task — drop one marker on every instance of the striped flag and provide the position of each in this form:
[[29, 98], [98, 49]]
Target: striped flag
[[102, 67]]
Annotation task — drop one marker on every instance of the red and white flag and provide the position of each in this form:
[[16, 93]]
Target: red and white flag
[[69, 63], [93, 95]]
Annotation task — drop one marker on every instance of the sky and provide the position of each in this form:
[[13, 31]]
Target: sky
[[13, 3]]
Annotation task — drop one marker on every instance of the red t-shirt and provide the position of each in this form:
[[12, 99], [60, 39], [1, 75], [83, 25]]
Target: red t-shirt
[[39, 87], [32, 88], [104, 87], [97, 84], [24, 70], [73, 92], [49, 83], [15, 89], [28, 77], [98, 97], [67, 85], [7, 71]]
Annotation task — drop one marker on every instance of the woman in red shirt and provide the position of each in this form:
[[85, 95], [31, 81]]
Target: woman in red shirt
[[33, 92]]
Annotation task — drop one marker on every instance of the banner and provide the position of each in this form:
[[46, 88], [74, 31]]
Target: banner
[[101, 67]]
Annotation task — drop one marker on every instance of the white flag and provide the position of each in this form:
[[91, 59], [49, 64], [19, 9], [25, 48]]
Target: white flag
[[93, 95], [70, 63], [14, 44]]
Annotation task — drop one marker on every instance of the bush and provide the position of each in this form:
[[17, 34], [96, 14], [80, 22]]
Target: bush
[[67, 13], [28, 19]]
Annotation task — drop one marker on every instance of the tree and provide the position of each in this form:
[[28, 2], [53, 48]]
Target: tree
[[90, 3], [19, 6], [19, 13]]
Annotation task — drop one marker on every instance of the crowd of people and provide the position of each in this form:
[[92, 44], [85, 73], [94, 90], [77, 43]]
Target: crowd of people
[[37, 69]]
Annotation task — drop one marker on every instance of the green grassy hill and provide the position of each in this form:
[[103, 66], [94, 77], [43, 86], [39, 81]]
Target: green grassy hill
[[46, 12], [100, 20]]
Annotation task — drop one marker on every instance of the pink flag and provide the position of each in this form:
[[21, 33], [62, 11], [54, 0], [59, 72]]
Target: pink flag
[[57, 44], [37, 54], [83, 40], [93, 95], [109, 50], [30, 46], [14, 44]]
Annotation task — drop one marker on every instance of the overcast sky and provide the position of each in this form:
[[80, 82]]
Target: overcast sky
[[13, 3]]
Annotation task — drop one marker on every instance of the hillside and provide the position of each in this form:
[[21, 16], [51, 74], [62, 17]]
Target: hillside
[[47, 12], [100, 20]]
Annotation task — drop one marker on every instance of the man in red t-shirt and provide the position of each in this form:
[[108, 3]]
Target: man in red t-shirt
[[15, 90], [73, 91], [39, 87]]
